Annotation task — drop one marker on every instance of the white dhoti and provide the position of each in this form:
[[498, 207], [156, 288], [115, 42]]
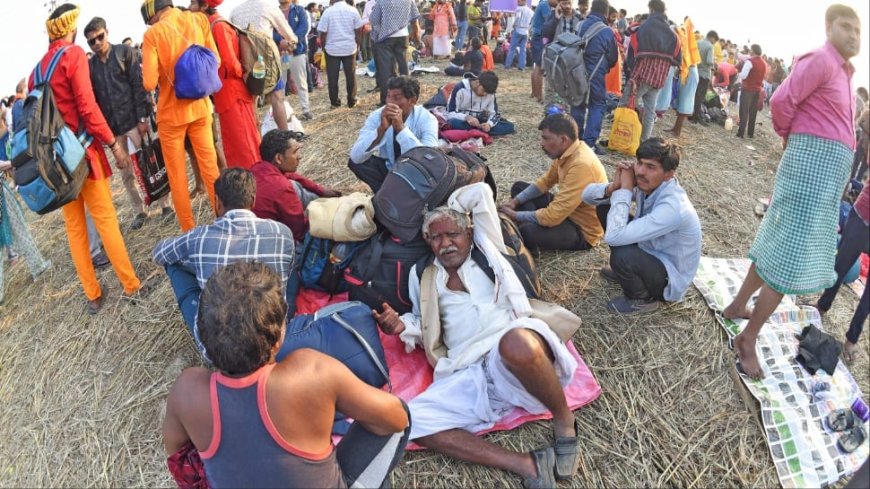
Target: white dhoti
[[476, 397], [441, 45]]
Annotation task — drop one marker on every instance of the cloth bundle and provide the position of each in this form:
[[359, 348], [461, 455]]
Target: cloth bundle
[[818, 350], [346, 218]]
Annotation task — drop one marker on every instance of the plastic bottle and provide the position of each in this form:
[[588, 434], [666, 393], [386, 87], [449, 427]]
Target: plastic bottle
[[285, 61], [729, 124], [259, 70]]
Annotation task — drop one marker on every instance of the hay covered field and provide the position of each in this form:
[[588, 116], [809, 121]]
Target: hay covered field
[[82, 397]]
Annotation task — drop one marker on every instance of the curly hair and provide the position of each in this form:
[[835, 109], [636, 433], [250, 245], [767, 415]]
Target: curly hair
[[241, 318]]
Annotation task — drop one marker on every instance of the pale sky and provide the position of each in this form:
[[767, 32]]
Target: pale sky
[[783, 28]]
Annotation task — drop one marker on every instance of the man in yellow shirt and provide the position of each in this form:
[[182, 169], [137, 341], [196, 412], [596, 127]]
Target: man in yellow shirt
[[171, 33], [563, 221]]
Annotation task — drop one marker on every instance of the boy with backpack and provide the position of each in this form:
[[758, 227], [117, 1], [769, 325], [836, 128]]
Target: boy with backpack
[[73, 96], [116, 76], [171, 34]]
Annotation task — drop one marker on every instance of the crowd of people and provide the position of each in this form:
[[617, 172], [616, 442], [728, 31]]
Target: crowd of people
[[242, 422]]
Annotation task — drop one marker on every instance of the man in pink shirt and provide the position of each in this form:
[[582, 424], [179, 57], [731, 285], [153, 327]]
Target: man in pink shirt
[[793, 252]]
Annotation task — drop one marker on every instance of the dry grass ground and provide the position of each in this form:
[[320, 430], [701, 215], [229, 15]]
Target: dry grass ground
[[81, 397]]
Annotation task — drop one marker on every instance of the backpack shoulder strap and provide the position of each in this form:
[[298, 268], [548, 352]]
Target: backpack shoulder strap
[[483, 263], [593, 31], [40, 78]]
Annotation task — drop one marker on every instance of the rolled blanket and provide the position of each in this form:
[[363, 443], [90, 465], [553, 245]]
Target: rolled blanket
[[346, 218]]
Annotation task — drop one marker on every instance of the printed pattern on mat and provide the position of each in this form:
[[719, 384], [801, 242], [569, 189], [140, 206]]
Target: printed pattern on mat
[[804, 451]]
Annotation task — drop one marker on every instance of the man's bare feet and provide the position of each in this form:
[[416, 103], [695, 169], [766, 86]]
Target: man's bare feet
[[745, 349], [732, 312], [850, 351]]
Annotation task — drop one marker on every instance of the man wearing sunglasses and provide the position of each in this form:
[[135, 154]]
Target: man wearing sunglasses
[[116, 77]]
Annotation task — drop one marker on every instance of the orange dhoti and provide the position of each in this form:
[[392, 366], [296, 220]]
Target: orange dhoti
[[97, 196], [202, 141], [238, 120], [613, 80]]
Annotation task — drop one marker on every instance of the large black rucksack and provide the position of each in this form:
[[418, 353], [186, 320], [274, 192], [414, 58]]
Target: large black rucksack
[[565, 67], [517, 255], [380, 270], [422, 180], [48, 157]]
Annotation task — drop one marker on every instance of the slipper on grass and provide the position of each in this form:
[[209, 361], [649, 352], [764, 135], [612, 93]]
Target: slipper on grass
[[841, 420]]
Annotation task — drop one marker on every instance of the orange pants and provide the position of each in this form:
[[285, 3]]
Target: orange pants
[[97, 196], [202, 141]]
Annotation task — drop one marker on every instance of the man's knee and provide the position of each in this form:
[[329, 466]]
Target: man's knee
[[621, 257], [519, 347], [518, 187]]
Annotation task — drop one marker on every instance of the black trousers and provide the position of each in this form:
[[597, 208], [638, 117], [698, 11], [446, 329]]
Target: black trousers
[[388, 54], [367, 458], [372, 171], [641, 275], [854, 240], [700, 96], [565, 236], [748, 111], [348, 64]]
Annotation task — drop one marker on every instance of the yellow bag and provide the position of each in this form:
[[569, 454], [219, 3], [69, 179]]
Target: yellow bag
[[626, 129], [625, 132]]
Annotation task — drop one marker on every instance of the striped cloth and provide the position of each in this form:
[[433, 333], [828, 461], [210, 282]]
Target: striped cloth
[[795, 246], [651, 70]]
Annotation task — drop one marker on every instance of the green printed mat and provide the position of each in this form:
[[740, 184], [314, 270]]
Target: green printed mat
[[804, 451]]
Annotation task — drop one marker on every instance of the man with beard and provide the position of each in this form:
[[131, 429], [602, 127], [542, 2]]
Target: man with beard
[[560, 222]]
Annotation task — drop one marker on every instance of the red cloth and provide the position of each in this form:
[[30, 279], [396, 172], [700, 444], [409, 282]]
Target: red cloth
[[459, 135], [74, 98], [309, 301], [233, 103], [277, 200], [755, 80], [651, 71], [187, 469]]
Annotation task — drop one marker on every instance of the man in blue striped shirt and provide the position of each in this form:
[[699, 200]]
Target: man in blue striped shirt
[[236, 235]]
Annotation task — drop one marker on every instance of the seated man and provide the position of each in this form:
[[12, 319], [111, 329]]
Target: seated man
[[472, 105], [655, 255], [283, 194], [471, 61], [563, 221], [236, 235], [280, 438], [488, 358], [390, 131]]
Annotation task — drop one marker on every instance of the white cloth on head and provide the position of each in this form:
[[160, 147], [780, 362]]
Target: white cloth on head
[[477, 199]]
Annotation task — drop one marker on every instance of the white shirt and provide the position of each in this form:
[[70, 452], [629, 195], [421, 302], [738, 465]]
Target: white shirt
[[472, 322], [523, 20], [340, 22], [262, 16]]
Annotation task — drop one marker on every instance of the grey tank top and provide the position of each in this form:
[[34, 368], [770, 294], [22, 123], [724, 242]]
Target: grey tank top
[[246, 449]]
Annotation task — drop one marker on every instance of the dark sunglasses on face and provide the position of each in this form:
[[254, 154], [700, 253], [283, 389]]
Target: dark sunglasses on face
[[99, 38]]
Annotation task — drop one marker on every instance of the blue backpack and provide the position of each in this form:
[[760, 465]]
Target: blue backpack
[[48, 157], [196, 73], [345, 331], [323, 262]]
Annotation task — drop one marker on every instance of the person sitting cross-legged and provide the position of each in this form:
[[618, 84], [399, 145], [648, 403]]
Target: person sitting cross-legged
[[396, 127], [283, 194], [236, 235], [653, 256], [256, 422], [488, 356], [563, 221], [472, 105]]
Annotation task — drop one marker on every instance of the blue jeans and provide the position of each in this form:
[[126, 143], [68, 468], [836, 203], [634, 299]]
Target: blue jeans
[[461, 29], [647, 97], [501, 129], [538, 50], [589, 118], [517, 40]]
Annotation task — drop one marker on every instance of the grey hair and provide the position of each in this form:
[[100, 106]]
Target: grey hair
[[461, 219]]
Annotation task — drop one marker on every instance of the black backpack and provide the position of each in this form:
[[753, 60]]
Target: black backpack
[[517, 255], [380, 270], [48, 157], [422, 180]]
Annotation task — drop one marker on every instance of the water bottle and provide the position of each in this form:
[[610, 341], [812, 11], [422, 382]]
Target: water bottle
[[285, 61], [259, 71]]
